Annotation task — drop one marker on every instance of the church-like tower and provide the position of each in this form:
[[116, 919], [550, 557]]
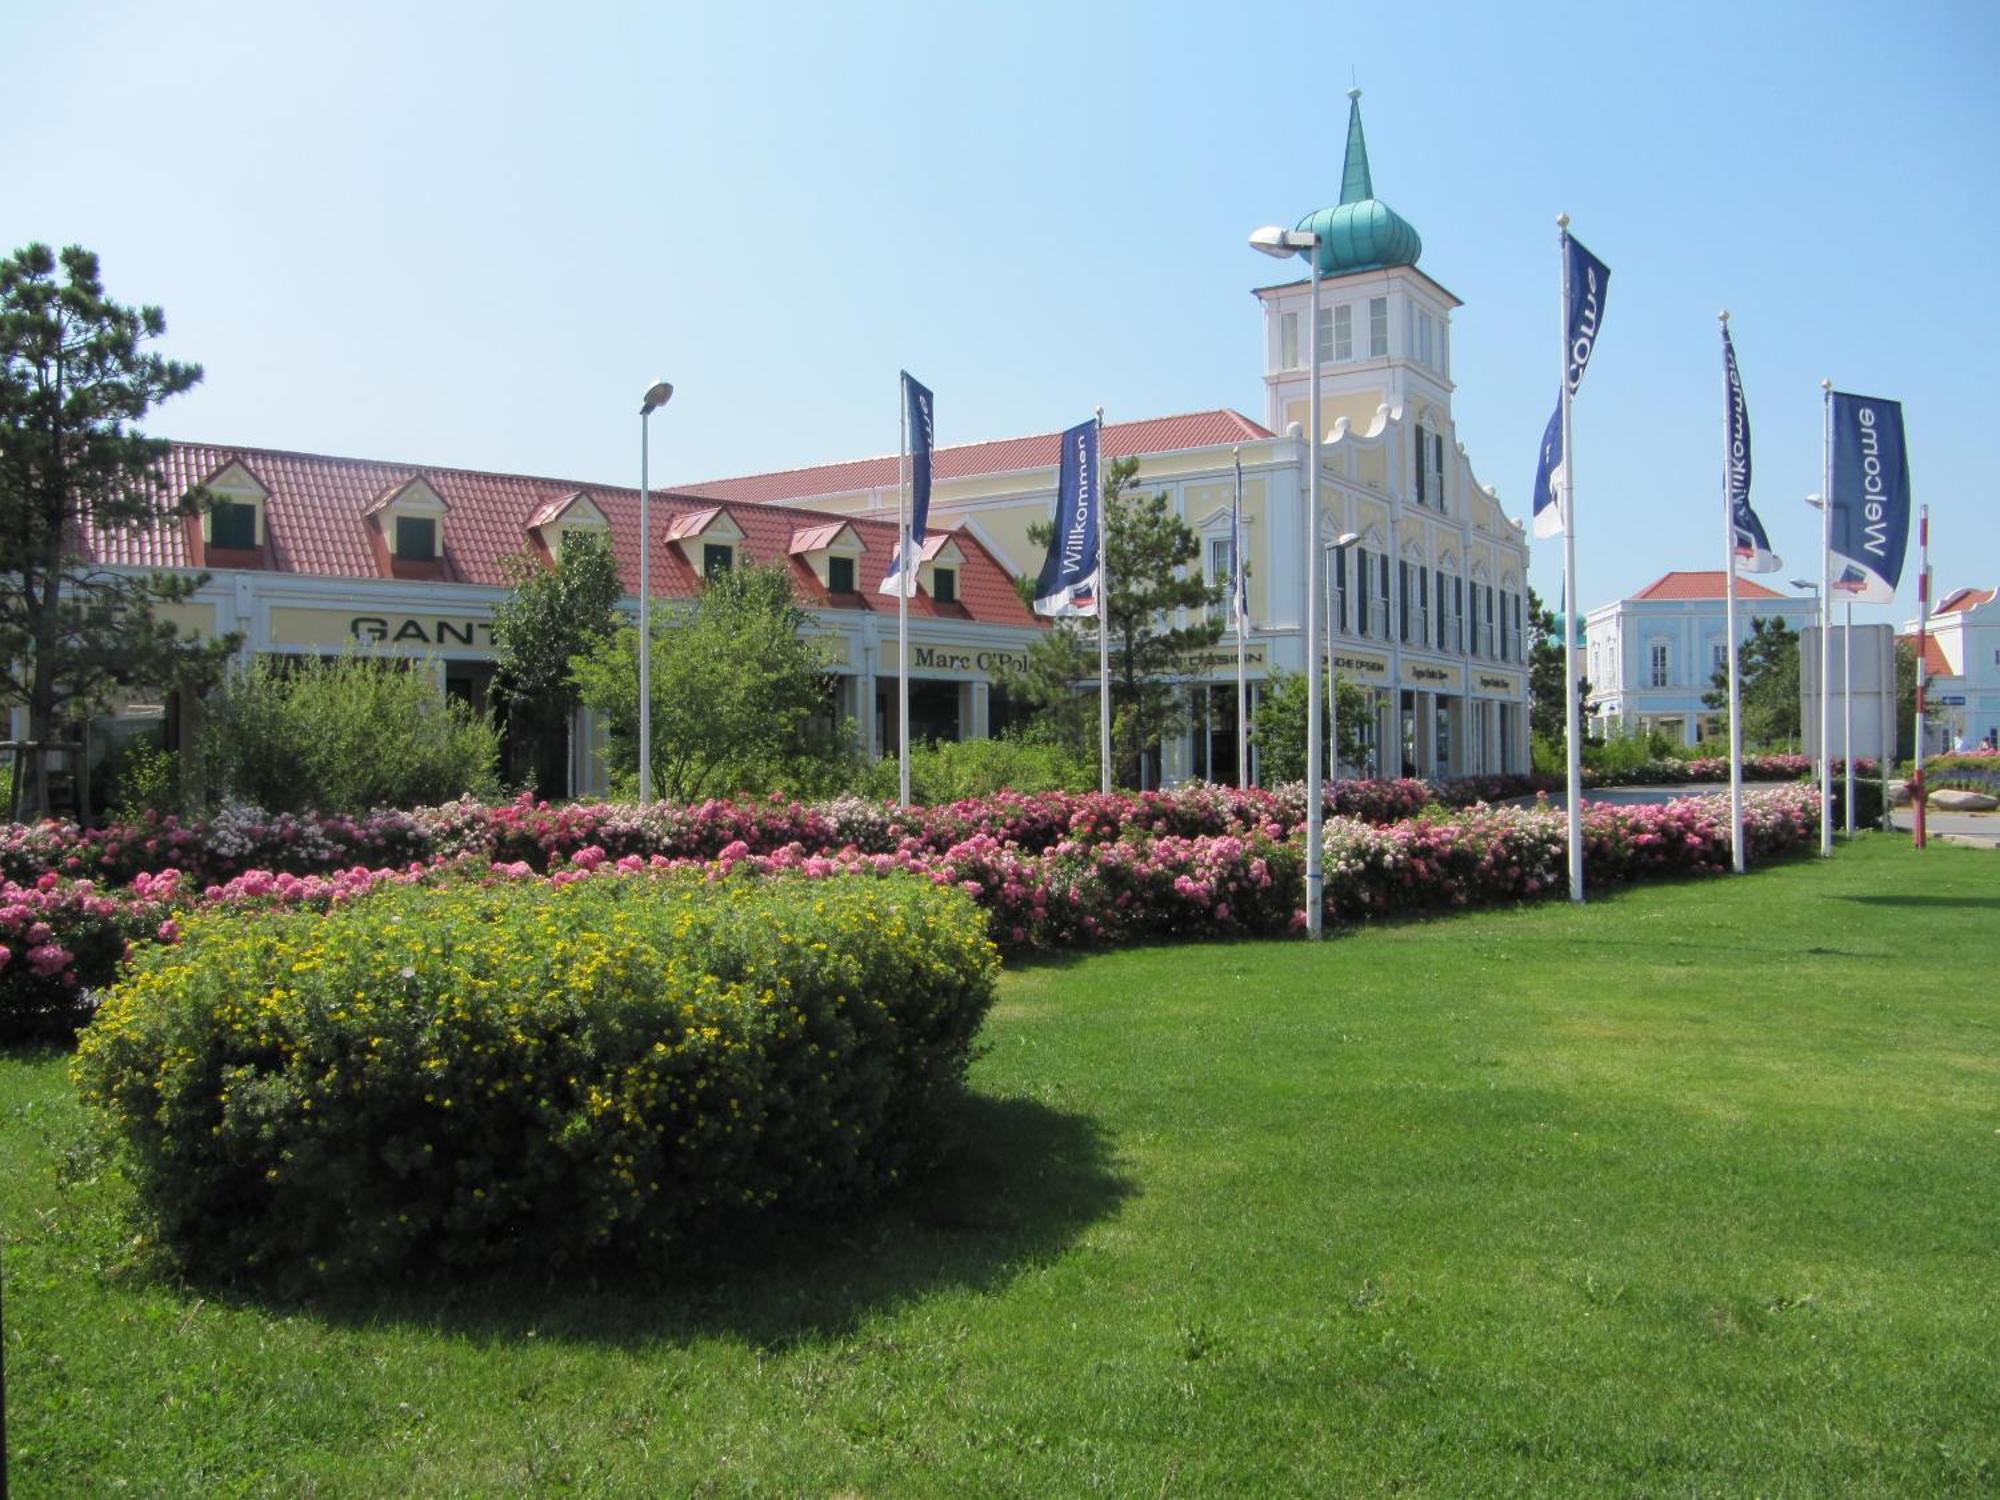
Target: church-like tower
[[1385, 326], [1428, 602]]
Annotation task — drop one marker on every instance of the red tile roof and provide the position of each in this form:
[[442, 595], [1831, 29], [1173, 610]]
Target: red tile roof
[[316, 522], [1703, 585], [1936, 663], [1201, 429], [1964, 599]]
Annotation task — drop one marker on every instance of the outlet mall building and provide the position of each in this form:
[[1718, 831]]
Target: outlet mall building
[[316, 555]]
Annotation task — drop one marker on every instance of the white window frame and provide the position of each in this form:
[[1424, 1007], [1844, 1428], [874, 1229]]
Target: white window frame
[[1343, 332], [1659, 664], [1289, 357], [1378, 327], [1219, 566]]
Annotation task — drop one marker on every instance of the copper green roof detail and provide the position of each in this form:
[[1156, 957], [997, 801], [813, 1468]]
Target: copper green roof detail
[[1355, 183], [1362, 233]]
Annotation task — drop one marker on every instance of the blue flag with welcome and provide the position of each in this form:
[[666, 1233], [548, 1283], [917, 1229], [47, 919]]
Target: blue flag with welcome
[[1068, 583], [1871, 497], [917, 419], [1753, 547], [1586, 279]]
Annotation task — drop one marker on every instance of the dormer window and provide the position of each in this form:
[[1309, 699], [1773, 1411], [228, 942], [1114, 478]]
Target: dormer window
[[556, 521], [944, 585], [232, 515], [232, 523], [416, 538], [408, 522], [707, 540], [832, 550]]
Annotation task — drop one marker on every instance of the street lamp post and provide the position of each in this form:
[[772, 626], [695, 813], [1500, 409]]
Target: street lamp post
[[1282, 244], [1336, 558], [1825, 591], [1819, 621], [658, 394]]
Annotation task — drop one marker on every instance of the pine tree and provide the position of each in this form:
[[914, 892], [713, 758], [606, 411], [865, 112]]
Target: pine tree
[[74, 376], [1768, 665], [1546, 668], [1150, 552]]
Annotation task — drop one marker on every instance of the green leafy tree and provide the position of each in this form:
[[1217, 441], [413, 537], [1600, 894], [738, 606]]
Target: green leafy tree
[[75, 374], [1768, 664], [1906, 700], [554, 616], [1160, 611], [344, 735], [742, 699], [1546, 717], [1278, 725]]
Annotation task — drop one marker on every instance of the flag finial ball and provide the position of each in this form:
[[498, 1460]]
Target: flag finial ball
[[1562, 221], [1723, 316], [1826, 385]]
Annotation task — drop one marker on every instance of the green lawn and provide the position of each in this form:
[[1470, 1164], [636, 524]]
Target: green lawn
[[1695, 1191]]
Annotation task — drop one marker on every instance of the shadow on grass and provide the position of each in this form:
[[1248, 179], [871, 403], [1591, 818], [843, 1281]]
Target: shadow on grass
[[1025, 1183], [1977, 903]]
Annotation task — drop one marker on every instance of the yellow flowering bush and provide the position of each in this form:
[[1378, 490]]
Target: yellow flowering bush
[[526, 1073]]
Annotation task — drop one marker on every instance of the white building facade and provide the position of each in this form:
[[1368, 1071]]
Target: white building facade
[[1429, 607], [1649, 659], [1962, 696]]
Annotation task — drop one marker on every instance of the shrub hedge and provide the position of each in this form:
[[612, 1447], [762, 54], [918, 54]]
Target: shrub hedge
[[531, 1072]]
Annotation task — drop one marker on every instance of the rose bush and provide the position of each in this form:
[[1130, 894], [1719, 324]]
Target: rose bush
[[1053, 870]]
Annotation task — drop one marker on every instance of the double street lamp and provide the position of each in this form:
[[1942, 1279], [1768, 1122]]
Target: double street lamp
[[1281, 244], [658, 394]]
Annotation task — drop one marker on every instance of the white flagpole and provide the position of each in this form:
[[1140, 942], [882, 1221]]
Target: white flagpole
[[1919, 838], [1571, 728], [1241, 610], [903, 594], [1103, 619], [1826, 625], [1729, 610], [1847, 708]]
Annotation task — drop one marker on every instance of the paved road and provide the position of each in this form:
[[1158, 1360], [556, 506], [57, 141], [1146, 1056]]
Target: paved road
[[1981, 829]]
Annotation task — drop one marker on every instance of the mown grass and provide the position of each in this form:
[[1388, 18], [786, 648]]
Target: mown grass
[[1693, 1191]]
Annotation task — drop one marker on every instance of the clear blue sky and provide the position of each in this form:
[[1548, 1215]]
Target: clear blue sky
[[472, 234]]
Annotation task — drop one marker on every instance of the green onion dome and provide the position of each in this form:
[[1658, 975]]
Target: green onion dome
[[1361, 233]]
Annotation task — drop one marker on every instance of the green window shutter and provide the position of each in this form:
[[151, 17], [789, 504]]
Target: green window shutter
[[232, 524], [840, 575], [416, 538]]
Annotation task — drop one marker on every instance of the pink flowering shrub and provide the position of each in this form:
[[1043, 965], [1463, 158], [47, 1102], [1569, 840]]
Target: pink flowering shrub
[[61, 939], [1051, 871], [235, 840]]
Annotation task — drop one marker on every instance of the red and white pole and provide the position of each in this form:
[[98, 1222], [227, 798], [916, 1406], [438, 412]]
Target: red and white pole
[[1923, 632]]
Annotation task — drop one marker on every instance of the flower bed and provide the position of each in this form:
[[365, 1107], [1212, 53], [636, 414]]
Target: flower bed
[[1051, 871]]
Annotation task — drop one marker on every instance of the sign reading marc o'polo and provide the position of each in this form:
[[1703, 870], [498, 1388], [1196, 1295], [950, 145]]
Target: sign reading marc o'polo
[[444, 634], [965, 660]]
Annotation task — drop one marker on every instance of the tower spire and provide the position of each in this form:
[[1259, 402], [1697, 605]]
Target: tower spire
[[1355, 183]]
